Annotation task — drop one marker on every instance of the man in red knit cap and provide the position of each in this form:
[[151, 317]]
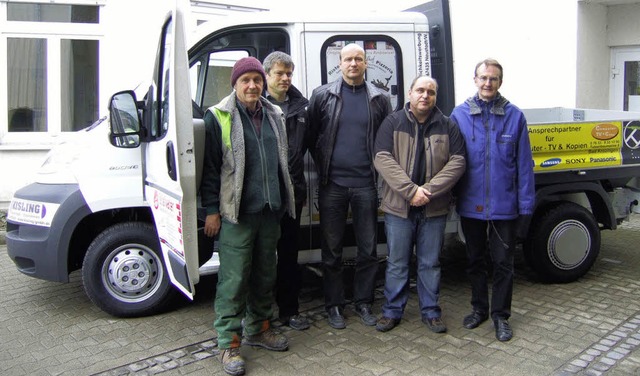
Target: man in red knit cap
[[246, 189]]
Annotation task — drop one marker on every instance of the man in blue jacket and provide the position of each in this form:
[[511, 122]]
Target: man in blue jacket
[[497, 188]]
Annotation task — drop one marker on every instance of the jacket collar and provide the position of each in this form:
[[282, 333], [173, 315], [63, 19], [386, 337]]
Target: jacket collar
[[496, 106]]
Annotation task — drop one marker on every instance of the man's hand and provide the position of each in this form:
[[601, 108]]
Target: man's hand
[[421, 197], [212, 225]]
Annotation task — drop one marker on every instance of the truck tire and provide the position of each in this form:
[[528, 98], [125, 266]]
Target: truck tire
[[123, 271], [563, 243]]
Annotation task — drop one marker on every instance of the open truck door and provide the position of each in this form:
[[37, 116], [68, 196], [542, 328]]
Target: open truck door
[[168, 157], [130, 266]]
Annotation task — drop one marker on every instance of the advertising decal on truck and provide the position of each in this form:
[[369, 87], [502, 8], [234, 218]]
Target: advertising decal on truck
[[32, 212], [567, 146]]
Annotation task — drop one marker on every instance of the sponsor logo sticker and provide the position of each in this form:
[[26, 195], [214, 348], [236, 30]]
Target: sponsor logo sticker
[[551, 162], [32, 212]]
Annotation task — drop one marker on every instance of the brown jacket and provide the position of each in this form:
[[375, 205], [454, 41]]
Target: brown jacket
[[395, 152]]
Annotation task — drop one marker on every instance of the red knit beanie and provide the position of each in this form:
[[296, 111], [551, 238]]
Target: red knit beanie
[[244, 65]]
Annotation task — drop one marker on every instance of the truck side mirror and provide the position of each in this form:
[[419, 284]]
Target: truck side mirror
[[124, 120]]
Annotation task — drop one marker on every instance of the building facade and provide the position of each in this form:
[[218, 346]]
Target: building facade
[[62, 60]]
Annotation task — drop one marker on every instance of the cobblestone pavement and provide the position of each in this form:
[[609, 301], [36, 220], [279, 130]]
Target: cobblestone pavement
[[589, 327]]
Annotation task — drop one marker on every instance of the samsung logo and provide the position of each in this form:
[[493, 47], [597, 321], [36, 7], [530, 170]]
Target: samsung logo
[[551, 162]]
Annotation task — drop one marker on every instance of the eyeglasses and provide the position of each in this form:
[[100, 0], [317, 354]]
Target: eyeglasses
[[492, 80]]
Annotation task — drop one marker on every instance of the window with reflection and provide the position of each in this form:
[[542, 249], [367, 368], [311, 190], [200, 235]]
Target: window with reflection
[[79, 83], [383, 63], [631, 86], [28, 12], [27, 84]]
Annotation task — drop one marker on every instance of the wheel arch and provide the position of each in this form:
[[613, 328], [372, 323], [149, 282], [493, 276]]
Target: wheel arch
[[93, 224], [597, 196]]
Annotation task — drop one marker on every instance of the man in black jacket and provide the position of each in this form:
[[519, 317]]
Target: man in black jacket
[[279, 91], [344, 117]]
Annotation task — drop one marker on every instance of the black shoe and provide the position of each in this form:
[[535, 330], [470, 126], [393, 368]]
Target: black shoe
[[386, 323], [296, 322], [366, 316], [435, 324], [503, 330], [474, 319], [336, 320]]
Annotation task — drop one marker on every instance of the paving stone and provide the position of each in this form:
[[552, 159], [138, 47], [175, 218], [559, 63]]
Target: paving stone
[[50, 328]]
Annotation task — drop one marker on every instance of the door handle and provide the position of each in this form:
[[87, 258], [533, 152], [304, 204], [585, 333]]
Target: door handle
[[172, 169]]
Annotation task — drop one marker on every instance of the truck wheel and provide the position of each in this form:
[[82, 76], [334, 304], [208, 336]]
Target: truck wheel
[[563, 243], [123, 271]]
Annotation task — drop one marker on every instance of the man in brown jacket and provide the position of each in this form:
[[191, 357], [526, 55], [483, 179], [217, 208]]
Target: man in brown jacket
[[420, 154]]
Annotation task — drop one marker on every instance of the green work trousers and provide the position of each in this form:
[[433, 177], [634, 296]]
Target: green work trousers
[[246, 277]]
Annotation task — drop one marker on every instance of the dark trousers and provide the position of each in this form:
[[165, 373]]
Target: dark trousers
[[498, 237], [288, 280], [334, 202]]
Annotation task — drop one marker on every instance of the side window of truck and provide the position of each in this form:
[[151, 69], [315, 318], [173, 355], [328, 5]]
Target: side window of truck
[[211, 64], [384, 68]]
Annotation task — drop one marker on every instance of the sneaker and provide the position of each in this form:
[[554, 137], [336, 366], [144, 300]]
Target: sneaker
[[269, 339], [232, 362], [335, 318], [435, 324], [386, 323], [366, 316], [296, 322]]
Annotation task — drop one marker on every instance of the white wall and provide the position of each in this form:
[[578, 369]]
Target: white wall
[[623, 25], [592, 86], [129, 47], [535, 41]]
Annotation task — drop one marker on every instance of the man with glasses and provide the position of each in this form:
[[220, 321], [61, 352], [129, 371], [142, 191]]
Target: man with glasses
[[496, 189], [279, 91]]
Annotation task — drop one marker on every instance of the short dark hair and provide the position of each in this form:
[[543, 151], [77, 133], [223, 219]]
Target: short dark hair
[[413, 83], [488, 62], [277, 57]]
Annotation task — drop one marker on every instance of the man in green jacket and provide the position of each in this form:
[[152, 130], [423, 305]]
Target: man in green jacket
[[246, 188]]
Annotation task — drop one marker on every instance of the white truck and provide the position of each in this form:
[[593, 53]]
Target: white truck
[[120, 203]]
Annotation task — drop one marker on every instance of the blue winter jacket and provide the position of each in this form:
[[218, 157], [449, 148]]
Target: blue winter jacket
[[498, 183]]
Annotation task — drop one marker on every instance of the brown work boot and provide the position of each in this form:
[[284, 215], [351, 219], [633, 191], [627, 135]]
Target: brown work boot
[[232, 362], [269, 339]]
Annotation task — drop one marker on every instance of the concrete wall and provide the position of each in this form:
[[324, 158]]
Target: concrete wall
[[594, 55], [535, 41], [623, 25]]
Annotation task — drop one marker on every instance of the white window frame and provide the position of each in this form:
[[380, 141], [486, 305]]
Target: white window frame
[[619, 55], [53, 33]]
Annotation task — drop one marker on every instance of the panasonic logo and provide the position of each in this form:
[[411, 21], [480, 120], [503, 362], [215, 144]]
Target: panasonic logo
[[551, 162]]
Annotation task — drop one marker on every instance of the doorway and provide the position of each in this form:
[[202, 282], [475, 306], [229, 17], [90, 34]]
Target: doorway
[[625, 79]]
